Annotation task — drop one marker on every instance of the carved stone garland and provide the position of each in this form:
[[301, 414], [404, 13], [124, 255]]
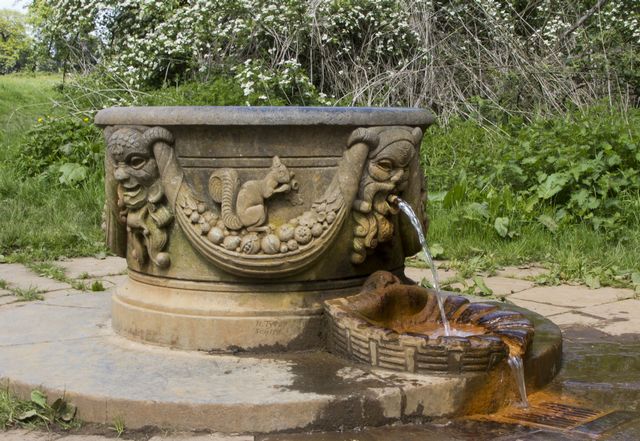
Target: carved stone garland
[[235, 234]]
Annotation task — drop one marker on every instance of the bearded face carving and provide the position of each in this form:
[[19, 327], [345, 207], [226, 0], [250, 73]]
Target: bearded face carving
[[386, 173], [140, 194]]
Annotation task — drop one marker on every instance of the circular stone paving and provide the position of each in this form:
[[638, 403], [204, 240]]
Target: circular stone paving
[[66, 347]]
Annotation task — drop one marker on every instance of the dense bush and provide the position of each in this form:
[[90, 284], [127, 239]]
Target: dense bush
[[581, 167]]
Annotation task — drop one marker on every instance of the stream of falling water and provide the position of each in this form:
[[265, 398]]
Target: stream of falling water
[[515, 361], [408, 211], [517, 367]]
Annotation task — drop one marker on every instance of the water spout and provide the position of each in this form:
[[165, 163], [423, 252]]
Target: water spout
[[408, 211]]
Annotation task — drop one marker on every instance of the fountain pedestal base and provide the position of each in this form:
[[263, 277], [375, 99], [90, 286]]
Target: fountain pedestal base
[[220, 317]]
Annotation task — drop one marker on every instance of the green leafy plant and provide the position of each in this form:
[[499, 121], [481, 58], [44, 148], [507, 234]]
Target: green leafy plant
[[97, 285], [582, 167], [80, 285], [67, 149], [35, 412]]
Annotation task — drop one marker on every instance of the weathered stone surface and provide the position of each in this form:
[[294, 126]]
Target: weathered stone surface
[[572, 296], [208, 437], [417, 274], [541, 308], [194, 198], [28, 435], [18, 276], [74, 352], [615, 318], [92, 267], [8, 299], [63, 437], [576, 318], [70, 294], [261, 116], [525, 272], [502, 286], [109, 282]]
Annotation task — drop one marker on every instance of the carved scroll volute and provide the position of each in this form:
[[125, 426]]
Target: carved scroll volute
[[113, 223], [391, 168], [136, 201]]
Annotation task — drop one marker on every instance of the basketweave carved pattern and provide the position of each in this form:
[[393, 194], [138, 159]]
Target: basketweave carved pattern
[[353, 337]]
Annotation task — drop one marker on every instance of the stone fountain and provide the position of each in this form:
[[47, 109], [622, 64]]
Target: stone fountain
[[237, 223], [264, 245]]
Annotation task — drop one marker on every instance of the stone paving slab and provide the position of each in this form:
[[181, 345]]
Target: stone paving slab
[[8, 299], [524, 272], [572, 296], [108, 281], [28, 435], [208, 437], [63, 310], [21, 277], [81, 438], [417, 274], [610, 310], [541, 308], [92, 267], [576, 318], [69, 294], [502, 286], [617, 318]]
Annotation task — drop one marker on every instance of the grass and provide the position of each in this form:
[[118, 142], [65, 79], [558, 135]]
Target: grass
[[27, 294], [23, 98], [118, 426], [40, 220], [575, 253]]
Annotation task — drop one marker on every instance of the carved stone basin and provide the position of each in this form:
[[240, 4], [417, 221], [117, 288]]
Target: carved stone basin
[[396, 326], [237, 222]]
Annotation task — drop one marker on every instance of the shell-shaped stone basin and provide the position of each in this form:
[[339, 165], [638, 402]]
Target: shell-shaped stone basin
[[398, 326]]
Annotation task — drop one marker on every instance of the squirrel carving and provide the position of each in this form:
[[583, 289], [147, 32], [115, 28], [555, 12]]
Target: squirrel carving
[[244, 207]]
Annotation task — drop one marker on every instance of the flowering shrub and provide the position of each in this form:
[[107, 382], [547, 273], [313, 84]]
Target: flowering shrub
[[437, 53], [286, 83]]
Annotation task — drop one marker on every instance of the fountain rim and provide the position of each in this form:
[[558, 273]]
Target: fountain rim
[[264, 116]]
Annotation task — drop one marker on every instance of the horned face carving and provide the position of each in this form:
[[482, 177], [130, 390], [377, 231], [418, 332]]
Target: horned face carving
[[386, 169], [135, 169], [386, 172], [140, 192]]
